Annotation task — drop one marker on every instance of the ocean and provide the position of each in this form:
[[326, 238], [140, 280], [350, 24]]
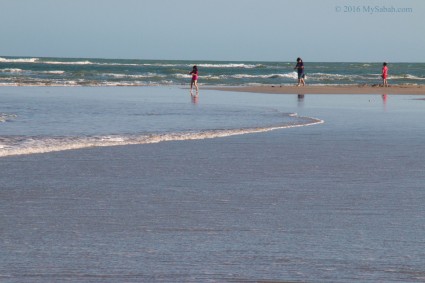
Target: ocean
[[153, 184], [23, 71], [45, 119]]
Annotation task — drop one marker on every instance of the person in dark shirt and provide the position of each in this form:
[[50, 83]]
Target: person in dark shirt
[[300, 69]]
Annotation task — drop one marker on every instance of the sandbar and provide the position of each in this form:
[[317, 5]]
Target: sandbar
[[322, 89]]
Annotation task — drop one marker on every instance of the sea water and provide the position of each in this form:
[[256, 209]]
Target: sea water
[[26, 71], [340, 201], [37, 120]]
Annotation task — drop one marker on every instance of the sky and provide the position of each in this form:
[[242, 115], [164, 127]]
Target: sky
[[220, 30]]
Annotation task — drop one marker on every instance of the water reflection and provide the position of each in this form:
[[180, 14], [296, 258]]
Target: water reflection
[[194, 97], [384, 100], [300, 100]]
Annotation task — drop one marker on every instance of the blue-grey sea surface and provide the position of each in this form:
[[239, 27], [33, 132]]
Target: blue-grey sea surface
[[46, 71], [339, 201]]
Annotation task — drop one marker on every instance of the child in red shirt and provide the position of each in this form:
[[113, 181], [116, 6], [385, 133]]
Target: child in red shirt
[[385, 75], [194, 81]]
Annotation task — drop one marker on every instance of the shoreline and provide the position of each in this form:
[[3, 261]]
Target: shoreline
[[314, 89], [278, 89]]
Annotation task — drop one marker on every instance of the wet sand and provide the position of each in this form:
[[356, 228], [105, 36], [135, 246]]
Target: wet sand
[[354, 89]]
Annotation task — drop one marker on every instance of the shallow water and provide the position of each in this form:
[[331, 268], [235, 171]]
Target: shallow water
[[37, 120], [336, 202]]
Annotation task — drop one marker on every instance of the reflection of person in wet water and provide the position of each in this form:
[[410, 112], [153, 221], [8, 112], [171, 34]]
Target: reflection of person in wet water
[[300, 100], [384, 100], [194, 98], [194, 81]]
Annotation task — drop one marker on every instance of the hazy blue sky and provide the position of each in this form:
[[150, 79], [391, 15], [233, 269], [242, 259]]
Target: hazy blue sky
[[270, 30]]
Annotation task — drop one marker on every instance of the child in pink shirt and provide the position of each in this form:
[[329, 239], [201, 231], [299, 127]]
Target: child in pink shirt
[[194, 81], [385, 75]]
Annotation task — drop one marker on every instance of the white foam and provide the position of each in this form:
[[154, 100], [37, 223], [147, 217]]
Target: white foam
[[123, 83], [140, 76], [182, 65], [211, 77], [18, 60], [183, 76], [229, 65], [11, 70], [44, 145], [407, 76], [54, 72], [68, 63]]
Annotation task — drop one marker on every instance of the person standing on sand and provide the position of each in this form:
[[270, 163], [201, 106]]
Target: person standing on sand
[[194, 81], [300, 69], [384, 75]]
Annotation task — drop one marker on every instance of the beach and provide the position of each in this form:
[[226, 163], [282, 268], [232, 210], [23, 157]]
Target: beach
[[330, 89], [338, 201], [212, 141]]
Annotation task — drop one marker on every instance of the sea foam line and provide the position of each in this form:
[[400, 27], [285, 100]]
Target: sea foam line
[[18, 60], [84, 61], [54, 144]]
